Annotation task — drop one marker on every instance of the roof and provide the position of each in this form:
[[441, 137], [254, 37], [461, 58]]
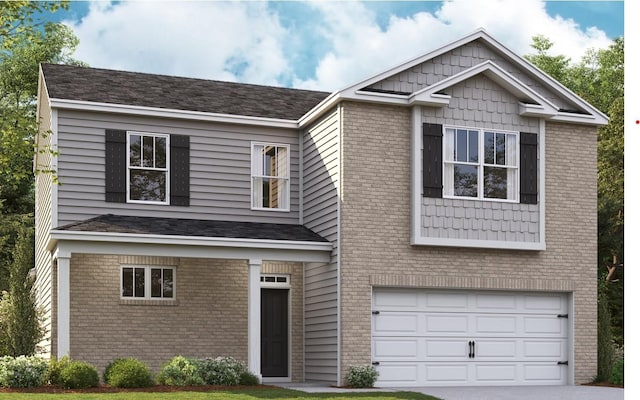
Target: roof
[[110, 223], [177, 93]]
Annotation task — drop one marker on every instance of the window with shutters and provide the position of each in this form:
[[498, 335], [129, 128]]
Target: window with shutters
[[148, 168], [480, 164], [270, 176], [147, 282]]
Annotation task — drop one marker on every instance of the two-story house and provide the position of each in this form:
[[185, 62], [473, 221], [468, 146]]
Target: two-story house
[[437, 220]]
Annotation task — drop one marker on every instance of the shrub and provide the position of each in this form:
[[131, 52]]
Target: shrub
[[617, 373], [22, 371], [55, 366], [221, 371], [248, 379], [180, 371], [362, 376], [78, 375], [127, 373]]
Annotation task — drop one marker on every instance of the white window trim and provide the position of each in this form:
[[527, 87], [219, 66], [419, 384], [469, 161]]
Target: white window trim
[[167, 169], [481, 164], [254, 174], [147, 282]]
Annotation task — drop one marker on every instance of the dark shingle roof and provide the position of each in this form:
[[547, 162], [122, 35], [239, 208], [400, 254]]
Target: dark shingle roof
[[170, 92], [193, 227]]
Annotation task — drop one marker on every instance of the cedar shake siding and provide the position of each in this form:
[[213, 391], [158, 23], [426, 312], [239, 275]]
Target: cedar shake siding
[[384, 256]]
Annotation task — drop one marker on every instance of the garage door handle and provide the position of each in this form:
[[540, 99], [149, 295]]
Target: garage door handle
[[375, 363], [473, 349], [563, 362], [470, 351]]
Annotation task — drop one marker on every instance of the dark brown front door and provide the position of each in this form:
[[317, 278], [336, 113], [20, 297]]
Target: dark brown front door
[[275, 333]]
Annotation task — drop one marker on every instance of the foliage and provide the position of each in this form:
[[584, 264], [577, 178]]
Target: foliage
[[22, 371], [221, 371], [78, 375], [605, 342], [127, 373], [362, 376], [20, 321], [599, 78], [55, 367], [248, 379], [617, 373], [180, 371]]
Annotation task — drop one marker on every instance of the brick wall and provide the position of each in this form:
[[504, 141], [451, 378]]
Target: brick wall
[[207, 319], [376, 220]]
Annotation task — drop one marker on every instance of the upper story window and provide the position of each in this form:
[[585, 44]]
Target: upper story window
[[147, 282], [270, 176], [480, 164], [148, 167]]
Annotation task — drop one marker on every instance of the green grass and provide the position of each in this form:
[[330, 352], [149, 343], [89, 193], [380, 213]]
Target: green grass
[[245, 394]]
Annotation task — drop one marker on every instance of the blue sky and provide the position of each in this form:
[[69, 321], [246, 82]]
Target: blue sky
[[321, 44]]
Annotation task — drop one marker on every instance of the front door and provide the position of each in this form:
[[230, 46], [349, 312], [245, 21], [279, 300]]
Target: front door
[[275, 333]]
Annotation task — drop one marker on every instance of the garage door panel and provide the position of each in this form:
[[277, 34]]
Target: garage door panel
[[496, 302], [398, 374], [447, 301], [545, 373], [545, 304], [504, 325], [386, 349], [396, 299], [545, 349], [396, 323], [447, 324], [446, 349], [446, 374], [545, 326], [500, 349], [497, 374]]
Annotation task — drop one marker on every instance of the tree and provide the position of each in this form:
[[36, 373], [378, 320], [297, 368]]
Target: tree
[[20, 327], [556, 66], [26, 40]]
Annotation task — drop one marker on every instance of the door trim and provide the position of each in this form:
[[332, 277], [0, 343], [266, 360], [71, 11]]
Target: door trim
[[283, 286]]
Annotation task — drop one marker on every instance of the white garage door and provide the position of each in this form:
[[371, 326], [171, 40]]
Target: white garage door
[[451, 338]]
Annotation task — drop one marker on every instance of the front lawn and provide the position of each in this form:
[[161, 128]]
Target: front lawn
[[242, 394]]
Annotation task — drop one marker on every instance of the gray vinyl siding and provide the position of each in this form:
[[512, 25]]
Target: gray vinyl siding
[[320, 213], [220, 162], [43, 212], [458, 60], [480, 103]]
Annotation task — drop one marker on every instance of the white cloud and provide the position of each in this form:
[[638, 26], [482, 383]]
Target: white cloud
[[247, 41], [216, 40]]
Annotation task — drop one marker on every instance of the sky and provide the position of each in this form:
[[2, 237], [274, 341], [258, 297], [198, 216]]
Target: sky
[[324, 45]]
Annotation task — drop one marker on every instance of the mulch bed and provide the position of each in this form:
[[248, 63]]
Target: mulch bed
[[151, 389], [605, 383]]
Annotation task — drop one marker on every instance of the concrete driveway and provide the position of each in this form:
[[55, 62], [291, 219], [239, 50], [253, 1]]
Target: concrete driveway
[[522, 393]]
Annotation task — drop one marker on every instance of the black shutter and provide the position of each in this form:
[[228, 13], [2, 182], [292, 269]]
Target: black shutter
[[115, 166], [179, 177], [431, 160], [528, 168]]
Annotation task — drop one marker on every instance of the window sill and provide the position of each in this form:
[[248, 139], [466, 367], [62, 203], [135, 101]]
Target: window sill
[[478, 199], [270, 209], [148, 302]]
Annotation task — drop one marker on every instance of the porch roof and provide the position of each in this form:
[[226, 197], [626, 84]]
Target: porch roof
[[110, 223]]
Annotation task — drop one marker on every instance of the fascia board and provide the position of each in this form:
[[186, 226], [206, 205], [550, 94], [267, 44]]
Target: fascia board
[[173, 113], [59, 235], [579, 119]]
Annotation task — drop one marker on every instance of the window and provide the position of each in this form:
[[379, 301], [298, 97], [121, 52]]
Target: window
[[270, 176], [480, 164], [148, 168], [148, 283]]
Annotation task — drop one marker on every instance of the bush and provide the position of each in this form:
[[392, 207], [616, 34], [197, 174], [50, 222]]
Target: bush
[[362, 376], [248, 379], [78, 375], [180, 371], [617, 373], [22, 372], [127, 373], [55, 367], [221, 371]]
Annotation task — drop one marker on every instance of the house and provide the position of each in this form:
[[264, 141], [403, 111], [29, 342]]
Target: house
[[437, 220]]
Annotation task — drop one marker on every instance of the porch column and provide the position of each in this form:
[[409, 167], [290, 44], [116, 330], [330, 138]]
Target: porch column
[[253, 359], [64, 304]]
